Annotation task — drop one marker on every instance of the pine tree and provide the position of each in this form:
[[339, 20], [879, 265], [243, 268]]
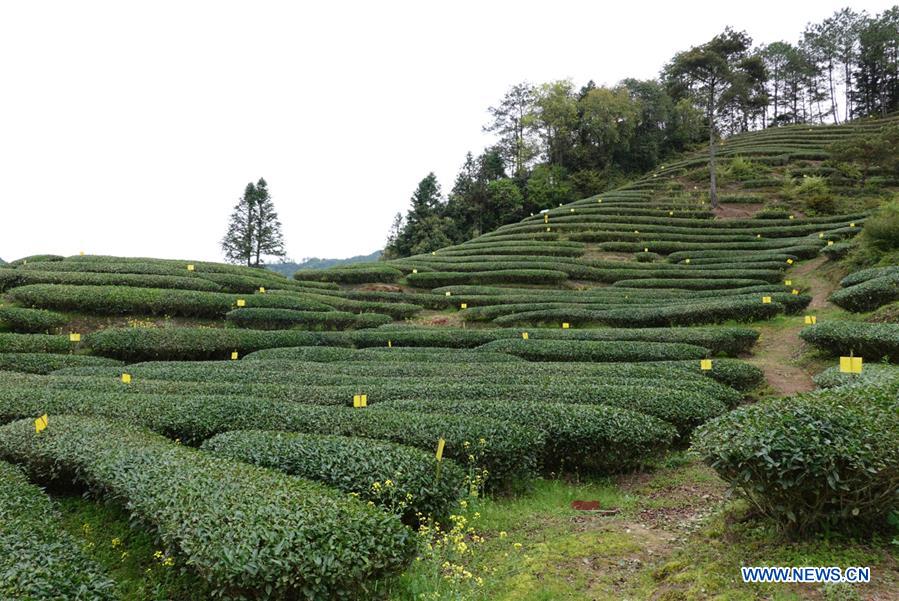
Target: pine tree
[[254, 230]]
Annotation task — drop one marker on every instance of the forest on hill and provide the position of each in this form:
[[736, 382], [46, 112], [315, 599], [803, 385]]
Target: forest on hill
[[557, 142]]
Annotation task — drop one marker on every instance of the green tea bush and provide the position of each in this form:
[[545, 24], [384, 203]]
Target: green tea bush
[[871, 341], [122, 300], [867, 274], [352, 274], [34, 343], [132, 344], [433, 279], [250, 532], [865, 296], [39, 561], [22, 320], [509, 452], [36, 259], [402, 480], [599, 351], [37, 276], [687, 284], [284, 319], [384, 354], [600, 439], [45, 363], [808, 464]]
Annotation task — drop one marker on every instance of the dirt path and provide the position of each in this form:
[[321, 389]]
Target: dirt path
[[779, 345]]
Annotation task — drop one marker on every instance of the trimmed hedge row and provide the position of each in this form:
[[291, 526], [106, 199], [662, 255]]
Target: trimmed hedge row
[[122, 300], [352, 274], [38, 560], [34, 343], [284, 319], [395, 310], [400, 479], [379, 354], [874, 373], [688, 284], [868, 294], [45, 363], [701, 312], [432, 279], [30, 321], [869, 340], [599, 439], [133, 344], [867, 274], [598, 351], [248, 531], [684, 407], [28, 276], [510, 452]]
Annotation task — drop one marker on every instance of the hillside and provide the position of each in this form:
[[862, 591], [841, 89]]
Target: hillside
[[288, 268], [572, 398]]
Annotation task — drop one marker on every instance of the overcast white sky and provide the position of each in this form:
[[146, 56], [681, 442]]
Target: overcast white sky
[[132, 128]]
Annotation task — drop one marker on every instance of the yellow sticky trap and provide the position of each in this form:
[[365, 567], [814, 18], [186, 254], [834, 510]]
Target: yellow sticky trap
[[851, 365], [766, 300], [636, 231], [758, 235], [190, 267], [463, 306], [524, 335], [360, 401], [40, 424], [572, 210], [811, 320], [81, 253], [788, 282], [687, 261], [433, 252], [241, 302], [261, 289], [440, 444], [671, 213], [599, 200], [646, 250], [821, 235], [789, 261], [795, 292], [414, 271], [126, 378], [74, 337], [390, 344], [852, 224], [548, 229], [234, 356], [448, 293], [705, 364], [792, 217], [830, 243], [545, 218], [565, 325]]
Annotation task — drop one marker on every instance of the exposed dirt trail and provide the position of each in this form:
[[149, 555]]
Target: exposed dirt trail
[[779, 345]]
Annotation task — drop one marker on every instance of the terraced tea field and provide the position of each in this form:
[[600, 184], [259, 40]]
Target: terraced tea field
[[423, 428]]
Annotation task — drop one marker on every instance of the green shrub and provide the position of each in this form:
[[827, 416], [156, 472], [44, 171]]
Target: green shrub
[[509, 452], [402, 480], [45, 363], [351, 274], [871, 341], [39, 561], [380, 354], [837, 251], [432, 279], [395, 310], [30, 320], [284, 319], [867, 274], [687, 284], [881, 231], [132, 344], [34, 343], [868, 295], [249, 532], [113, 300], [599, 351], [32, 275], [808, 464], [647, 257], [601, 439]]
